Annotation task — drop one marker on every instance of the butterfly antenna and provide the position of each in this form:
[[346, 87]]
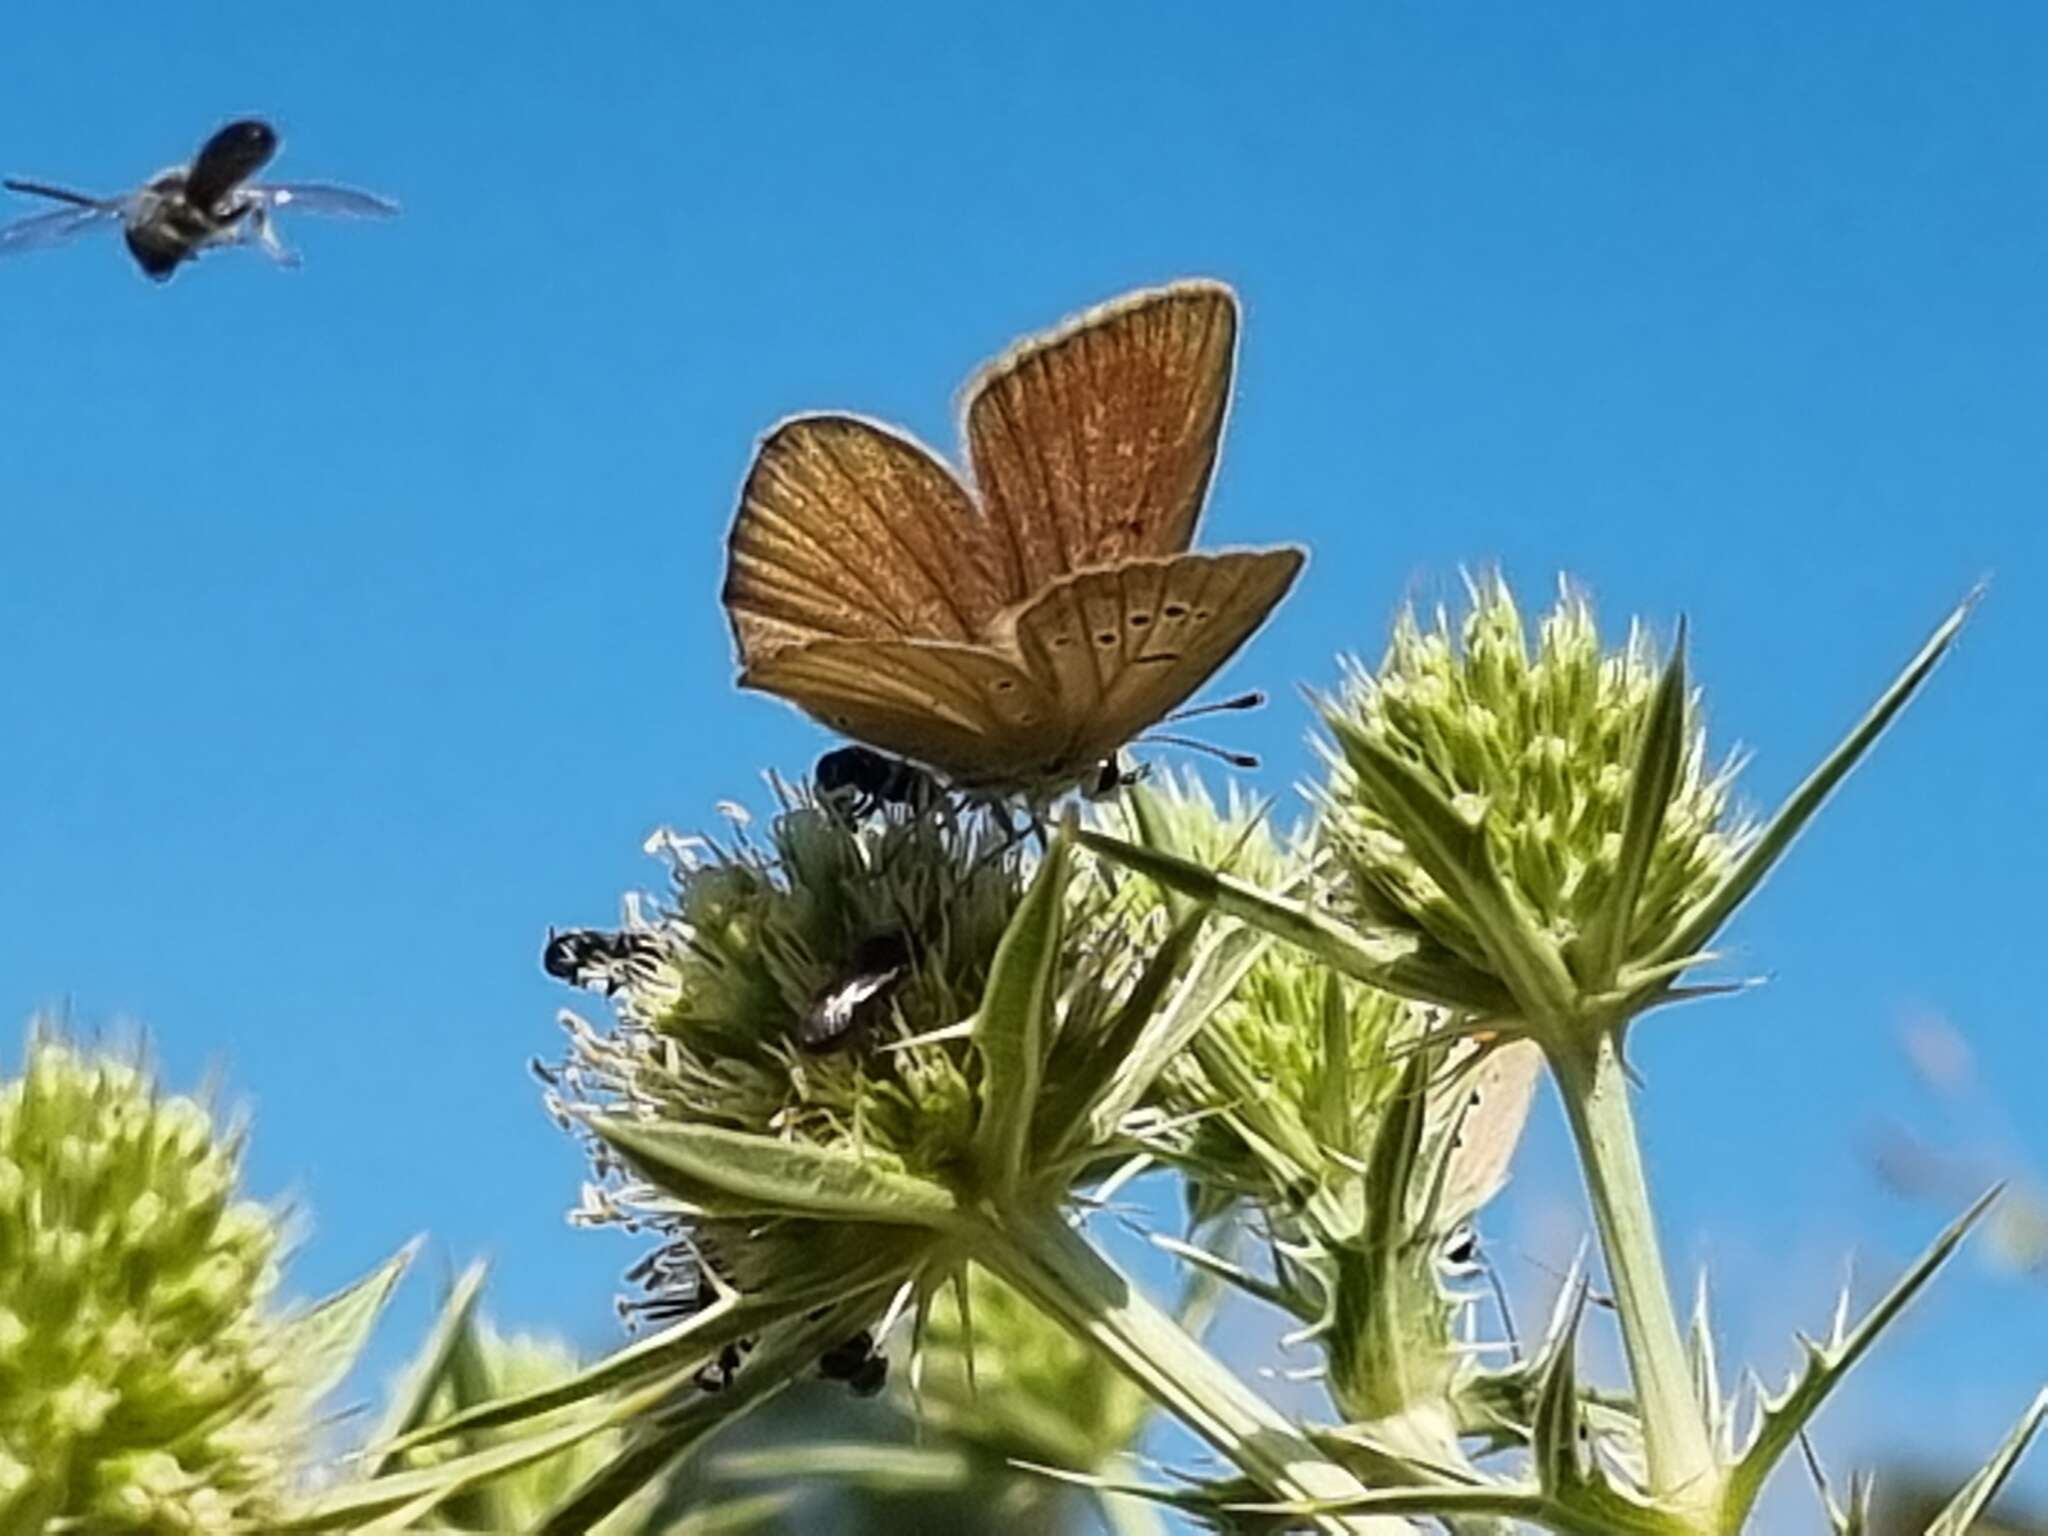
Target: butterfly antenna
[[58, 194], [1235, 759], [1252, 700]]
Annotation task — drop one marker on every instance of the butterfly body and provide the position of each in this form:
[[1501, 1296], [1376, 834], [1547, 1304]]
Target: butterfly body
[[1015, 633]]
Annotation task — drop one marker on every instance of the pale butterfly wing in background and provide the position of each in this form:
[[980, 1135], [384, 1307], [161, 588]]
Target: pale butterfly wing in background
[[1484, 1110], [1016, 639]]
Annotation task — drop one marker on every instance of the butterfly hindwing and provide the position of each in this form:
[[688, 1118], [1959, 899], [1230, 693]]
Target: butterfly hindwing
[[1123, 646], [970, 711], [1094, 443], [846, 528]]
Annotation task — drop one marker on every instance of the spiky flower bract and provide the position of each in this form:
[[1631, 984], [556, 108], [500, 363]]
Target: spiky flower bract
[[1308, 1106], [145, 1385], [1480, 788], [1275, 1092], [1002, 1375], [491, 1364]]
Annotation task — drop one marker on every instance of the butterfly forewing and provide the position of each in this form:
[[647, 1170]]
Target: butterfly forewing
[[848, 529], [1095, 443]]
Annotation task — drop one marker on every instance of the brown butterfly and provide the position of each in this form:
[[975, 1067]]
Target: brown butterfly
[[1013, 634]]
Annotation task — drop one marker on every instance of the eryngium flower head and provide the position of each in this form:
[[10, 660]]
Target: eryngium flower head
[[1537, 753], [811, 990], [142, 1386]]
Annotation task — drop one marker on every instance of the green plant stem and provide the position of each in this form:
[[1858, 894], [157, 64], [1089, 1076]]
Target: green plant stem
[[1062, 1274], [1594, 1083]]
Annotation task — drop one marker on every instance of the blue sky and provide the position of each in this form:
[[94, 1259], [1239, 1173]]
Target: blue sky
[[358, 622]]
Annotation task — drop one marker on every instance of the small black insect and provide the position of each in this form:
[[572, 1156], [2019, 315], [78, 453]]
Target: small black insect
[[591, 957], [844, 1007], [856, 1363], [1459, 1254], [1113, 774], [865, 781], [718, 1375]]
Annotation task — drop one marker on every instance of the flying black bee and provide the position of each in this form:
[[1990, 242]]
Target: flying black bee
[[856, 1000], [186, 210], [590, 957], [857, 1363], [865, 781]]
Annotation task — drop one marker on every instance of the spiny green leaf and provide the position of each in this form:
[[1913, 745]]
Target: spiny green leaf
[[1069, 1119], [1792, 817], [675, 1353], [1658, 757], [761, 1175], [862, 1463], [1390, 961], [1015, 1027], [1852, 1519], [1220, 964], [660, 1440], [1155, 832], [1232, 1274], [424, 1376], [348, 1506], [1330, 1112], [1976, 1495], [1706, 1372], [1779, 1423], [323, 1341], [1554, 1430]]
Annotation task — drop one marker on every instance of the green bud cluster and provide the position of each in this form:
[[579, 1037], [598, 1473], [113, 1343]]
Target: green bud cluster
[[141, 1383], [1536, 750]]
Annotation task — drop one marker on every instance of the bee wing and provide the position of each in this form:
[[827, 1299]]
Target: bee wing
[[39, 230], [325, 198]]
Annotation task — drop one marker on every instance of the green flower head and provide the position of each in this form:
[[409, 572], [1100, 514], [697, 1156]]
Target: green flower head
[[1481, 790], [813, 993], [144, 1384]]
